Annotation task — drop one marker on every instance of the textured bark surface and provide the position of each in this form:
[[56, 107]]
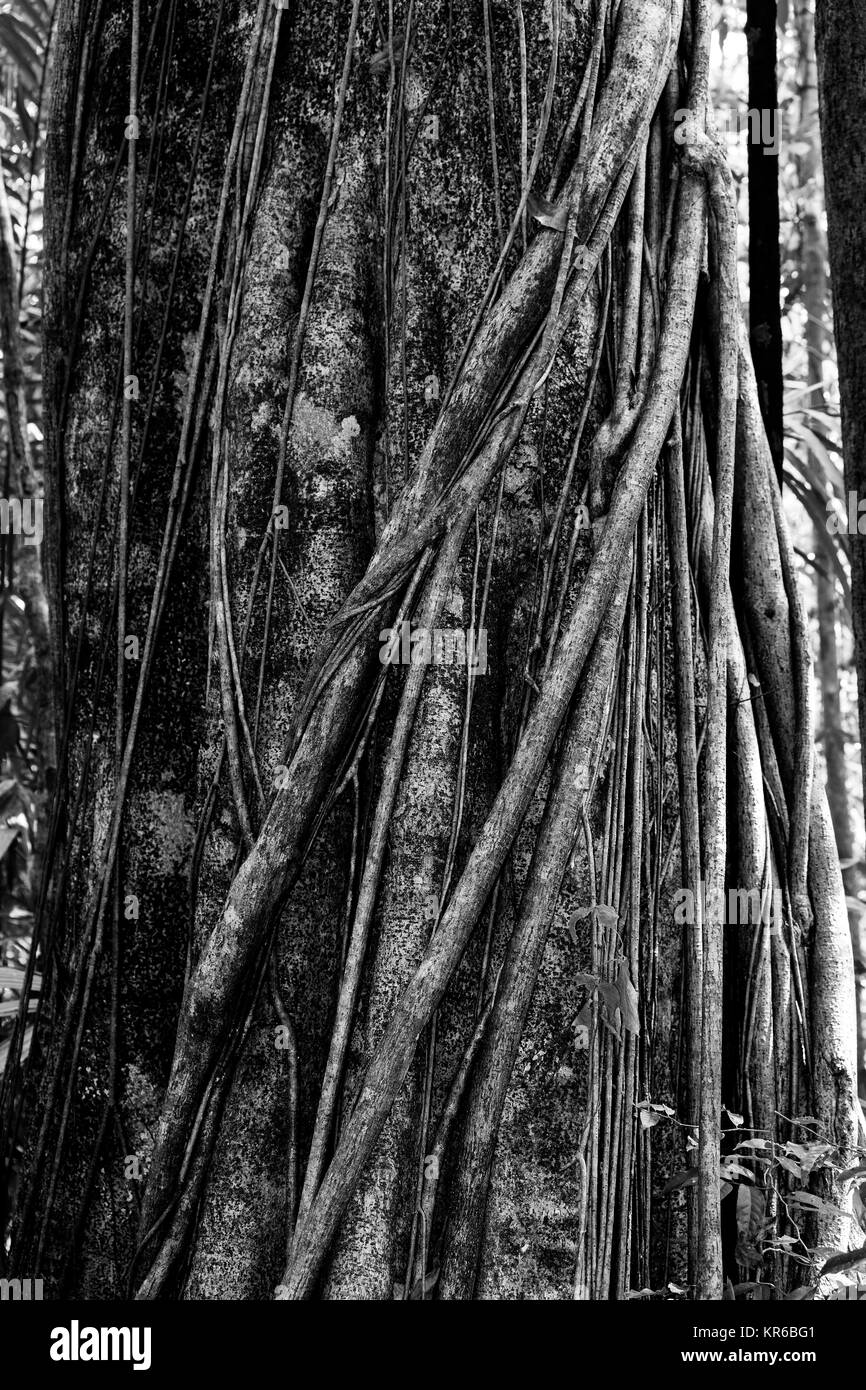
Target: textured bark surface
[[345, 464], [840, 37], [765, 320], [485, 1138], [83, 324]]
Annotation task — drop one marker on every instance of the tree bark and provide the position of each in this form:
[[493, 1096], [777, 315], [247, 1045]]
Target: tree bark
[[840, 36], [367, 976]]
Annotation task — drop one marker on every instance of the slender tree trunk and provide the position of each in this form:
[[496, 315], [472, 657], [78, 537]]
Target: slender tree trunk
[[765, 319]]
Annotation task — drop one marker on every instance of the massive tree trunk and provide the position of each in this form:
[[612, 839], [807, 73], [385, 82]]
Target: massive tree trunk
[[840, 37], [363, 977]]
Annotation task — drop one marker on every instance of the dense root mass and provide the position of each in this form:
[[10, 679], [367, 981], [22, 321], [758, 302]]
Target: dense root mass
[[365, 977]]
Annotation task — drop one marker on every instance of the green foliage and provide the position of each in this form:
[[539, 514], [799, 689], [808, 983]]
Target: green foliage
[[779, 1188]]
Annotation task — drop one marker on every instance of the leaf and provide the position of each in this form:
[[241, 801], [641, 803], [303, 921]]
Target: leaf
[[807, 1199], [430, 1281], [808, 1155], [858, 1172], [753, 1144], [577, 916], [686, 1178], [628, 1001], [799, 1151], [735, 1119], [8, 835], [748, 1255], [729, 1296], [609, 993], [849, 1259], [751, 1208], [801, 1294], [606, 915], [590, 981], [790, 1166], [610, 997], [11, 977], [648, 1118], [816, 445], [547, 214], [651, 1112], [381, 60], [731, 1169], [5, 1048], [9, 1007]]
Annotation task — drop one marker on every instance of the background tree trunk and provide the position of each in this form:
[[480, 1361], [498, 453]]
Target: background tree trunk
[[765, 320], [840, 35]]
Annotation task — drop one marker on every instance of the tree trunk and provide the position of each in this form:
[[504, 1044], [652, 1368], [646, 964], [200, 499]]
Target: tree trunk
[[765, 270], [817, 330], [364, 970], [840, 36]]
